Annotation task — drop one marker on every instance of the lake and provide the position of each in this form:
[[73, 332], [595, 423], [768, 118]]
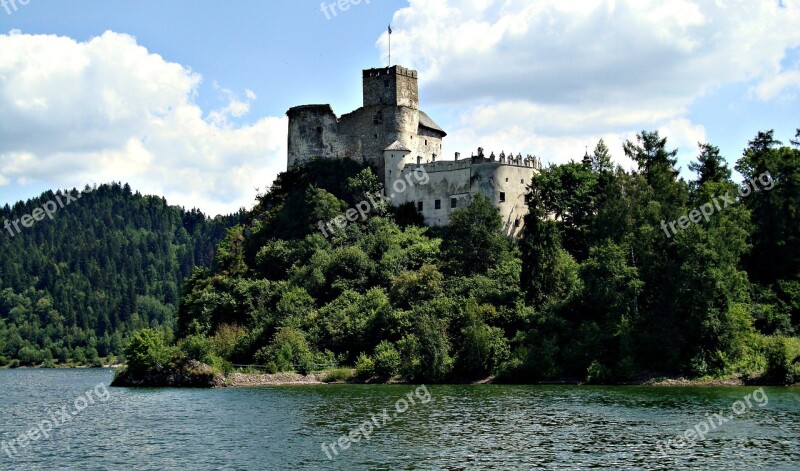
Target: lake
[[369, 427]]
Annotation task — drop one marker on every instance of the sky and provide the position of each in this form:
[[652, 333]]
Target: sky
[[187, 99]]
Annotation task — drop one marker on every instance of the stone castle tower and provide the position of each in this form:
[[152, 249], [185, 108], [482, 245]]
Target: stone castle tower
[[400, 141], [390, 113]]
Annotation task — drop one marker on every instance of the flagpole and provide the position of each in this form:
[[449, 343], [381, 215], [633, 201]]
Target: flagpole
[[390, 45]]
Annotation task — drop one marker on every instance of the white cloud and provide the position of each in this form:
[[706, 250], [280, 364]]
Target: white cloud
[[780, 85], [73, 113], [553, 77]]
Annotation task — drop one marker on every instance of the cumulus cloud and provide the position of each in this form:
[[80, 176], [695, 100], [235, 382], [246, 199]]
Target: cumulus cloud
[[555, 76], [73, 113]]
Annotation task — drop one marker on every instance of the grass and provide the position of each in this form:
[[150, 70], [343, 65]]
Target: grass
[[339, 375]]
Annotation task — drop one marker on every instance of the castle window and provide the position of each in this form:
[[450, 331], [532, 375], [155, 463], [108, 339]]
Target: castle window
[[502, 197], [453, 202], [521, 181], [319, 129], [426, 142], [506, 180], [437, 204], [419, 206], [376, 137]]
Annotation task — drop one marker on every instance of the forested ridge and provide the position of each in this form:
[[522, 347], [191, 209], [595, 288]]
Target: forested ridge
[[75, 286]]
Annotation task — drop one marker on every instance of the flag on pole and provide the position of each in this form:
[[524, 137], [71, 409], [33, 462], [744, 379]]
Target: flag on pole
[[390, 29]]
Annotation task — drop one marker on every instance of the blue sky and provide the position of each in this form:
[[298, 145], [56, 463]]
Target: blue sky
[[188, 99]]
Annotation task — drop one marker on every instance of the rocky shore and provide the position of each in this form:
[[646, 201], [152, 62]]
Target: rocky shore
[[185, 374], [277, 379]]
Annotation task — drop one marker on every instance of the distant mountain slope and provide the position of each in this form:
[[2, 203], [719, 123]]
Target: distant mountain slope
[[88, 270]]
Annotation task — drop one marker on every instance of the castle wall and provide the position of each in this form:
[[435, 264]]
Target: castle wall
[[504, 185], [314, 132], [427, 143]]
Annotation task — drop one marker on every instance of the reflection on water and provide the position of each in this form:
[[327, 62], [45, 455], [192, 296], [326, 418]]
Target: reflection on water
[[462, 427]]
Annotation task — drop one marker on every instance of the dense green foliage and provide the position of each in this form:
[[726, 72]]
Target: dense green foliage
[[596, 290], [74, 287], [618, 276]]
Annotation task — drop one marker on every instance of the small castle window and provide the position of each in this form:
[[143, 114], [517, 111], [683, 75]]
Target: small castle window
[[319, 129], [426, 142], [522, 181], [453, 202], [438, 204], [506, 180], [502, 197], [419, 206]]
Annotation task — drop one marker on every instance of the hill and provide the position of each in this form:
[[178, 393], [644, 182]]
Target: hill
[[86, 268]]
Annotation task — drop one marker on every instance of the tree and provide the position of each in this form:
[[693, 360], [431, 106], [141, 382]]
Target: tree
[[710, 166], [473, 242], [601, 158]]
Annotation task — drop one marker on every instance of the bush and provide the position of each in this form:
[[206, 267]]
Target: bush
[[365, 366], [3, 361], [387, 360], [483, 349], [197, 347], [30, 356], [425, 355], [146, 352], [289, 351], [597, 373], [783, 360], [226, 338], [339, 374]]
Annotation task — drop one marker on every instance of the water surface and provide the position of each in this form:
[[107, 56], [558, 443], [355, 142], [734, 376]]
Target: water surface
[[459, 428]]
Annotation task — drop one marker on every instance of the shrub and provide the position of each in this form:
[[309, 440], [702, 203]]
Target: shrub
[[597, 373], [289, 351], [425, 355], [783, 360], [30, 356], [387, 360], [483, 349], [365, 366], [197, 347], [339, 374], [146, 351], [226, 338]]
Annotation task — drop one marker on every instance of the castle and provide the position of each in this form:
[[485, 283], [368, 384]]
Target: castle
[[393, 135]]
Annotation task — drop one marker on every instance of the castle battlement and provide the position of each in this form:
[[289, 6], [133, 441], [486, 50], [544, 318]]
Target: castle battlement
[[392, 134]]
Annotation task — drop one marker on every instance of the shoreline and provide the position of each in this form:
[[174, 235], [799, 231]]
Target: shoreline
[[250, 380], [245, 380]]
